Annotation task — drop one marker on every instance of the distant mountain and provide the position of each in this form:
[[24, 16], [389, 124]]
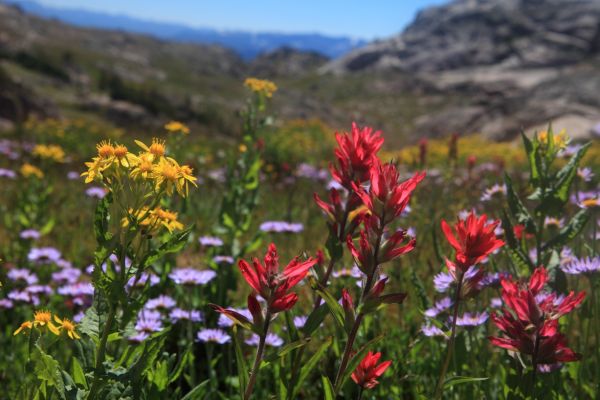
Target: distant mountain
[[470, 33], [247, 44]]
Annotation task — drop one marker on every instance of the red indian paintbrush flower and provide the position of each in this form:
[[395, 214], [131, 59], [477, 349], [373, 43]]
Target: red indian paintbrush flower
[[355, 155], [387, 197], [529, 321], [474, 240], [371, 236], [274, 286], [344, 217], [367, 371]]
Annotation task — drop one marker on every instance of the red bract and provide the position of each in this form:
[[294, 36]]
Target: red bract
[[343, 218], [355, 155], [530, 320], [372, 239], [270, 283], [367, 371], [387, 197], [474, 240]]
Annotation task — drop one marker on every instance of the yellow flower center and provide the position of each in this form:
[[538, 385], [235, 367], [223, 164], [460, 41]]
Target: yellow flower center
[[186, 170], [157, 148], [169, 172], [146, 166], [590, 202], [120, 151], [105, 149], [67, 325], [42, 316]]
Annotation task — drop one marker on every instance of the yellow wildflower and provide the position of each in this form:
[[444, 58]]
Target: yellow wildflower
[[68, 327], [142, 166], [561, 139], [49, 152], [242, 148], [168, 219], [185, 176], [105, 149], [261, 86], [123, 156], [176, 126], [95, 169], [24, 325], [167, 173], [28, 170], [44, 319]]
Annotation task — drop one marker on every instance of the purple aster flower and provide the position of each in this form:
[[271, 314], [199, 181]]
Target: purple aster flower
[[440, 306], [73, 175], [569, 150], [281, 227], [442, 281], [300, 321], [431, 330], [148, 321], [178, 314], [547, 368], [308, 171], [589, 199], [213, 335], [191, 276], [66, 275], [22, 274], [39, 289], [552, 222], [411, 232], [24, 297], [210, 241], [585, 174], [496, 302], [587, 265], [62, 263], [270, 340], [138, 337], [332, 184], [78, 289], [223, 259], [96, 191], [491, 192], [44, 255], [30, 234], [142, 280], [78, 317], [469, 319], [353, 272], [161, 302], [492, 279], [7, 173], [6, 303], [217, 175], [225, 322]]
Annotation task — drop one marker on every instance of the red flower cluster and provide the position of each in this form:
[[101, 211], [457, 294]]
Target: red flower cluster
[[367, 371], [530, 320], [272, 285], [387, 196], [355, 155], [474, 241]]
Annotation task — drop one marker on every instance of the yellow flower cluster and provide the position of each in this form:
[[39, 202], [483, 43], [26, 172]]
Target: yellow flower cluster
[[42, 320], [561, 139], [154, 219], [261, 86], [176, 126], [150, 164], [28, 170], [49, 152]]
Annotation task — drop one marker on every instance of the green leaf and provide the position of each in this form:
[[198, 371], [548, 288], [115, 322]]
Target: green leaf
[[328, 391], [175, 243], [48, 370], [283, 351], [242, 367], [569, 231], [311, 364], [533, 158], [197, 393], [458, 380], [315, 319], [334, 307], [355, 360], [78, 374], [514, 249], [516, 207], [102, 218]]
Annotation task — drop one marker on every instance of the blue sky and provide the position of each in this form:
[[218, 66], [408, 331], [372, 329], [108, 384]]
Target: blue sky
[[356, 18]]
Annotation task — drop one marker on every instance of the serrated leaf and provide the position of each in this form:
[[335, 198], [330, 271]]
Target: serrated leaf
[[175, 243], [516, 207], [569, 231], [48, 370]]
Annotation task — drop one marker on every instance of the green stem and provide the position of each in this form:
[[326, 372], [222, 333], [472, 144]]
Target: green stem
[[101, 353], [440, 385], [259, 355]]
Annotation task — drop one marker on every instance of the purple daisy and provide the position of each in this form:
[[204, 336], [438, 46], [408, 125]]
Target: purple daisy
[[225, 322], [22, 274], [30, 234], [178, 314], [223, 259], [191, 276], [270, 340], [210, 241], [213, 335], [472, 319], [96, 192], [7, 173], [66, 275], [300, 321], [431, 330], [281, 227], [439, 307], [148, 321], [162, 302], [142, 280], [587, 265], [44, 255]]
